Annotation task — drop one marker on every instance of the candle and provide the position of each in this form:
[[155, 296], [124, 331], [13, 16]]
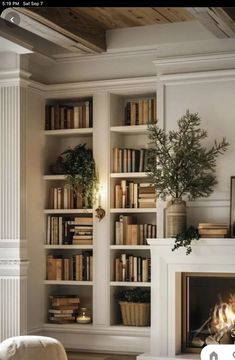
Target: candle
[[99, 202], [83, 317]]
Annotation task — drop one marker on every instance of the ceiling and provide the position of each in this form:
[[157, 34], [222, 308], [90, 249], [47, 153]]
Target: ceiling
[[83, 29]]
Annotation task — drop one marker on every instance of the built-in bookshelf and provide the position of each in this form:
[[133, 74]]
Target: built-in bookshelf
[[132, 196], [68, 242]]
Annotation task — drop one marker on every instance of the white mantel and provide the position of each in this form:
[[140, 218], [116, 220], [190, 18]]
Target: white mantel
[[208, 255]]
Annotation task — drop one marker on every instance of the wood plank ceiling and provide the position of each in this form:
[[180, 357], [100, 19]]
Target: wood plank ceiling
[[86, 26]]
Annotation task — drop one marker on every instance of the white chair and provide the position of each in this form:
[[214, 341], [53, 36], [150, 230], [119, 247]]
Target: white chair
[[32, 348]]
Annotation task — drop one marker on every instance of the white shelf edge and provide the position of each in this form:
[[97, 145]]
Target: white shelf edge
[[133, 210], [68, 283], [69, 247], [68, 211], [129, 175], [54, 177], [130, 129], [130, 283], [64, 132], [129, 247]]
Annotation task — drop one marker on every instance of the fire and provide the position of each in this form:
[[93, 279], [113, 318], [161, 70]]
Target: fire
[[223, 316]]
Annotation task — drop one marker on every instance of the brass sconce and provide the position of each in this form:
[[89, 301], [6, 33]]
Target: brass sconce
[[100, 212]]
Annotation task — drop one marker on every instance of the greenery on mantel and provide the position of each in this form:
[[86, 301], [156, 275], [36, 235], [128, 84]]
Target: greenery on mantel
[[135, 295], [178, 163], [79, 166], [185, 238]]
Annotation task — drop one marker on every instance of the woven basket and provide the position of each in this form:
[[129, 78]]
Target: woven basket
[[135, 314]]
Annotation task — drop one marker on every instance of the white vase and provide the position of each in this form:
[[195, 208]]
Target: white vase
[[176, 217]]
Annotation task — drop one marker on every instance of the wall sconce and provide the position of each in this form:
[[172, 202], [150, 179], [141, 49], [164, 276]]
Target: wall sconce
[[100, 212]]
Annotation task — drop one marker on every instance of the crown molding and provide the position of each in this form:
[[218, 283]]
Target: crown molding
[[194, 63], [91, 87]]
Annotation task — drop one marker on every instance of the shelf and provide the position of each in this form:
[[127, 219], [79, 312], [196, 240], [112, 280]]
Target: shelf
[[129, 247], [67, 282], [130, 129], [133, 210], [114, 329], [68, 211], [130, 283], [66, 132], [129, 175], [68, 247], [54, 177]]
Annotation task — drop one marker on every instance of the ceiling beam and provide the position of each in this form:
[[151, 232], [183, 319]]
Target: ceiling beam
[[216, 20], [71, 24]]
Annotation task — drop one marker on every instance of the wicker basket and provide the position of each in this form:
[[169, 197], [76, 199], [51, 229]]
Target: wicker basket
[[135, 314]]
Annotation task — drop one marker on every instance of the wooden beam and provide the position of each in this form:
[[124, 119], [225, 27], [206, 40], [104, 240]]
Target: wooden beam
[[71, 24], [215, 20]]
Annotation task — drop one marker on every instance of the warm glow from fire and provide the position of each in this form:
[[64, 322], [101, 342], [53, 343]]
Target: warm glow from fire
[[223, 316]]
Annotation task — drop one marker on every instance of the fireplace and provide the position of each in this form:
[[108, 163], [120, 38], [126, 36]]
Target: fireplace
[[208, 310]]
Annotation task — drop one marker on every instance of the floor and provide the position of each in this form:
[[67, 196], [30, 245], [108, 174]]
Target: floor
[[98, 356]]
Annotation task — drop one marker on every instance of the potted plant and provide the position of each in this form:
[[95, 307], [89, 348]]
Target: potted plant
[[180, 166], [79, 165], [135, 306]]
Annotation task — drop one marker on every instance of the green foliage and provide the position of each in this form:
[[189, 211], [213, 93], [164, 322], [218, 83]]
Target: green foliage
[[178, 163], [184, 239], [79, 165], [136, 295]]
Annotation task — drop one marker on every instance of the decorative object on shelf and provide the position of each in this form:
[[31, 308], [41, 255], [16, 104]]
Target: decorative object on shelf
[[135, 306], [100, 212], [232, 207], [58, 167], [185, 238], [80, 169], [180, 165], [84, 316]]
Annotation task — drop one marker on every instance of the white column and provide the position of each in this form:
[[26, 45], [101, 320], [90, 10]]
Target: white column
[[13, 254]]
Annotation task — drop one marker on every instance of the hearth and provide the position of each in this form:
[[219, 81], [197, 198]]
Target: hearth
[[208, 310]]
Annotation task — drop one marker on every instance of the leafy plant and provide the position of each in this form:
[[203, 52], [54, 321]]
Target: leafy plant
[[79, 165], [136, 295], [185, 238], [178, 163]]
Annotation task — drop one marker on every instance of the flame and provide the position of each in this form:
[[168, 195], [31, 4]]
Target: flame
[[223, 316]]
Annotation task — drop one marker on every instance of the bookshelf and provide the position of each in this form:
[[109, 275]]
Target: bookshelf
[[127, 140], [68, 266], [98, 294]]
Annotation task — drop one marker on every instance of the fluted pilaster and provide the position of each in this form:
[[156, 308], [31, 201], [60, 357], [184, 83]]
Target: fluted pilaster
[[13, 254]]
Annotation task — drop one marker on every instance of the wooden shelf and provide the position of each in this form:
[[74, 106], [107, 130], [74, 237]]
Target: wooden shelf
[[68, 247], [130, 283], [68, 211], [130, 129], [129, 175], [129, 247], [133, 210], [69, 132], [68, 282]]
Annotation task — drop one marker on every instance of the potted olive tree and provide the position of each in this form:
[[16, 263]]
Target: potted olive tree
[[181, 167]]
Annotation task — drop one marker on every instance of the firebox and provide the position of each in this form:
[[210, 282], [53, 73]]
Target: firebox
[[208, 310]]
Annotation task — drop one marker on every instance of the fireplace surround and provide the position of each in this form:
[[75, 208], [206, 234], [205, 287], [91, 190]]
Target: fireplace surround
[[213, 258]]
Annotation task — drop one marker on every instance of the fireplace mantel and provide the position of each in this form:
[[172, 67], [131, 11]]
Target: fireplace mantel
[[208, 255]]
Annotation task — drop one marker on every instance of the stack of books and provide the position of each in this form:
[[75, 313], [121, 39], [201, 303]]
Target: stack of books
[[63, 308], [212, 230], [129, 160], [65, 198], [140, 111], [82, 231], [129, 194]]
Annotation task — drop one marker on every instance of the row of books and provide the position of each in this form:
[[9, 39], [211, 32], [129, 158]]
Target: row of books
[[213, 230], [129, 194], [63, 308], [79, 267], [127, 232], [68, 117], [65, 198], [129, 160], [140, 111], [132, 268], [64, 230]]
